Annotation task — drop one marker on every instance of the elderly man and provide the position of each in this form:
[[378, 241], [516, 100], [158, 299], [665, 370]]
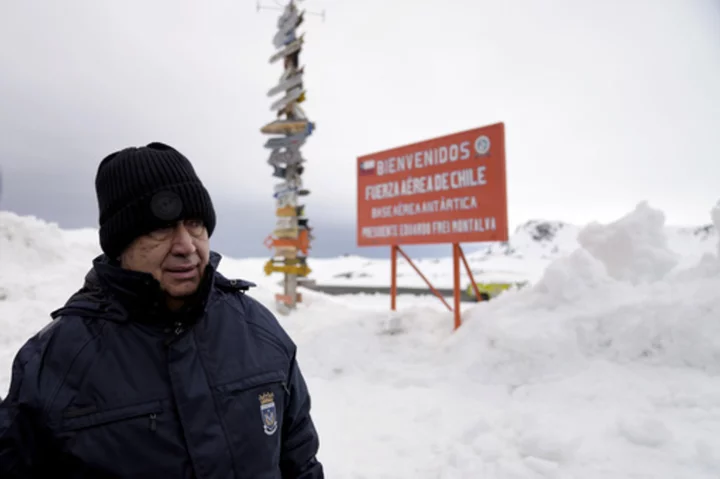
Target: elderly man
[[158, 367]]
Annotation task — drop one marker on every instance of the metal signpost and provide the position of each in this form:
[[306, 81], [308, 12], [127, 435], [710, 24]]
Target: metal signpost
[[290, 241]]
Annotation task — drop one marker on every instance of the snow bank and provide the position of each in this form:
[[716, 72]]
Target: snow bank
[[634, 248], [40, 266], [613, 298], [35, 253], [610, 364]]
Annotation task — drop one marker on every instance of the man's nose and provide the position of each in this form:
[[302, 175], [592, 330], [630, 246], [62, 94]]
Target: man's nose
[[182, 241]]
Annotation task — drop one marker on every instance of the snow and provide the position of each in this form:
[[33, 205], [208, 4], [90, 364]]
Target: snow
[[632, 248], [606, 366]]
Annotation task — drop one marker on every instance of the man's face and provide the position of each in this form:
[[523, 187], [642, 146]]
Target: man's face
[[176, 256]]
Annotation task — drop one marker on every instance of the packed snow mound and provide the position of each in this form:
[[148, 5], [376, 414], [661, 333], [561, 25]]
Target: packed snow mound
[[568, 279], [32, 242], [35, 253], [612, 299], [633, 248], [29, 241]]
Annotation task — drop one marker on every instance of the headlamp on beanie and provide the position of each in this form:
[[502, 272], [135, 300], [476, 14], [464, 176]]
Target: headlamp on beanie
[[166, 206], [143, 189]]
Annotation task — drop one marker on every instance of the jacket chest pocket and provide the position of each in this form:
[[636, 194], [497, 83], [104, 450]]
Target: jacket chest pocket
[[90, 417], [123, 440], [252, 409]]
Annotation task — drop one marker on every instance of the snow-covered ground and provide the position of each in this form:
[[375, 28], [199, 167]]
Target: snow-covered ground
[[605, 367]]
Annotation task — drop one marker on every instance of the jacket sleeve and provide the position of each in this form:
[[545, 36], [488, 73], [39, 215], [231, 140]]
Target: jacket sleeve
[[20, 441], [300, 439]]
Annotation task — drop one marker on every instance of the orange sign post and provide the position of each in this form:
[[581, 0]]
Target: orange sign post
[[450, 189]]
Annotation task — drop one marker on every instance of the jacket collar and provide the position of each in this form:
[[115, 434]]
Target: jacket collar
[[140, 295], [115, 294]]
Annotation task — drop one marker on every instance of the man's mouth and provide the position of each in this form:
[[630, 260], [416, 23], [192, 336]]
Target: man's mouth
[[182, 272]]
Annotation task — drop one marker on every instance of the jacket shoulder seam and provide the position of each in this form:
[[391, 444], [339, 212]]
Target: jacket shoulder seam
[[61, 382], [276, 339]]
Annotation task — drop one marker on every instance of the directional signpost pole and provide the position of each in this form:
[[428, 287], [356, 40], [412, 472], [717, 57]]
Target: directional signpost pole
[[290, 241]]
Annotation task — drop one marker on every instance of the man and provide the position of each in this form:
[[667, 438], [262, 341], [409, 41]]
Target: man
[[158, 367]]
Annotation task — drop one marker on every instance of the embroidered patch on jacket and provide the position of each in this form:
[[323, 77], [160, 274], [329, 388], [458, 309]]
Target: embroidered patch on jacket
[[268, 412]]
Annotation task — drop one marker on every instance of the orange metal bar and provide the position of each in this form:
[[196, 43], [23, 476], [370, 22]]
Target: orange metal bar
[[393, 277], [478, 296], [432, 288], [456, 283]]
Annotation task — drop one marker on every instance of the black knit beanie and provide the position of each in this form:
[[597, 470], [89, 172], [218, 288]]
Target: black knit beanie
[[143, 189]]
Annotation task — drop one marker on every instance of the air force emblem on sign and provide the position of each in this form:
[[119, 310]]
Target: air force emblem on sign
[[268, 413], [482, 145]]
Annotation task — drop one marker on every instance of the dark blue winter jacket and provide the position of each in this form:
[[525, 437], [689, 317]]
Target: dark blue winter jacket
[[118, 386]]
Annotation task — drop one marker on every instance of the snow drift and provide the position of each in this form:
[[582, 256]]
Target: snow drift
[[617, 297], [606, 367], [610, 363], [36, 255]]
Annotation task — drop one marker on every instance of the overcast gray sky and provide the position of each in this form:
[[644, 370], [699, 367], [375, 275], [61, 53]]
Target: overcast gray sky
[[605, 103]]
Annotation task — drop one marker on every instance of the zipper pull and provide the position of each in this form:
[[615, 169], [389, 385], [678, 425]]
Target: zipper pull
[[153, 423], [177, 329]]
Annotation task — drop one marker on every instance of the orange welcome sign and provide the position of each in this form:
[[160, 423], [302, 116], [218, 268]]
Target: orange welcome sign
[[450, 189]]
